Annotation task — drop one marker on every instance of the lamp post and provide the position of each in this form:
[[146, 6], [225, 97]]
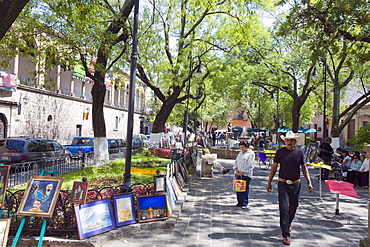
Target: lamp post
[[323, 60], [188, 97], [187, 109], [316, 77], [130, 115]]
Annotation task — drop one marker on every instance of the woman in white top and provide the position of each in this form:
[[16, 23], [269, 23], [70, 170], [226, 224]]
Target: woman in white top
[[243, 167]]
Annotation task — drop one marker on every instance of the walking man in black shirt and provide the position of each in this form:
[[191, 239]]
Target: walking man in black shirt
[[291, 159]]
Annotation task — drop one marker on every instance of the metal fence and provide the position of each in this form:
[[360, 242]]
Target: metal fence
[[21, 173], [63, 221]]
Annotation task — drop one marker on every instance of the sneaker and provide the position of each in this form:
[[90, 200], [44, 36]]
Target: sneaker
[[224, 171]]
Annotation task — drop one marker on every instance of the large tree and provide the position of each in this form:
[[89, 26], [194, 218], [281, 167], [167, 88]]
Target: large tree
[[79, 32], [286, 67], [180, 36], [337, 32], [335, 19]]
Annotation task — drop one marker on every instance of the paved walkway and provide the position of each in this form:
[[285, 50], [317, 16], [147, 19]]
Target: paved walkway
[[209, 218]]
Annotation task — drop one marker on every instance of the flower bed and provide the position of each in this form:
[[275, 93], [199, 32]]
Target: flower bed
[[163, 152]]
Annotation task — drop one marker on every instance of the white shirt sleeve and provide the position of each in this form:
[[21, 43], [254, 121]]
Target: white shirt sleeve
[[365, 166]]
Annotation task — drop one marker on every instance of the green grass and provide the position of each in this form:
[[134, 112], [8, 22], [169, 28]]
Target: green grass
[[112, 173]]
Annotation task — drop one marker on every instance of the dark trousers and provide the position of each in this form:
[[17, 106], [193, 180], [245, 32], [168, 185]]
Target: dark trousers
[[351, 175], [288, 204], [243, 197], [325, 172], [364, 179]]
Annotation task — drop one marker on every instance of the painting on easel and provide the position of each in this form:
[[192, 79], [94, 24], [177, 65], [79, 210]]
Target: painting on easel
[[40, 197]]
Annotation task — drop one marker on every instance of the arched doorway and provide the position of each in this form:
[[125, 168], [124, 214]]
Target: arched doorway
[[3, 126]]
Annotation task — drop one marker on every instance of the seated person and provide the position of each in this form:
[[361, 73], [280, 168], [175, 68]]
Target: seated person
[[346, 164], [355, 167], [220, 168], [336, 160], [216, 165], [364, 172], [341, 168], [337, 157]]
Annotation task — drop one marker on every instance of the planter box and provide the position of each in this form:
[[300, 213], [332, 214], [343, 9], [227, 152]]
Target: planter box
[[225, 153]]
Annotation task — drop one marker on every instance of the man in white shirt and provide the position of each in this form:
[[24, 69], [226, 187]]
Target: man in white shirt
[[364, 172]]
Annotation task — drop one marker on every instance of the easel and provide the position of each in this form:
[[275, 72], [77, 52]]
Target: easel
[[44, 221], [319, 198]]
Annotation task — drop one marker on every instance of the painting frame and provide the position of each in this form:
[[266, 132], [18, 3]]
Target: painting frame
[[4, 176], [37, 203], [88, 212], [4, 231], [79, 192], [128, 202], [152, 208], [159, 184]]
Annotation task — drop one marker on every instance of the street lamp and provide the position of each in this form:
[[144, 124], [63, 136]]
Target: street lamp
[[316, 77], [131, 103], [199, 71]]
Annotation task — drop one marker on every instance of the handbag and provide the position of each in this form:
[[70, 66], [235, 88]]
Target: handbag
[[239, 185]]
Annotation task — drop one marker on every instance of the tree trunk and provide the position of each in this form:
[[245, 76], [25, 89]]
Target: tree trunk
[[296, 114], [335, 131], [163, 115], [9, 11], [101, 154]]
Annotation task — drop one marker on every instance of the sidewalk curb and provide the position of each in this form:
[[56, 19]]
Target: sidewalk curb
[[99, 240]]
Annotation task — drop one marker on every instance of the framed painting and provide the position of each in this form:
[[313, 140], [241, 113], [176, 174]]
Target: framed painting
[[124, 209], [151, 208], [181, 180], [159, 184], [40, 196], [79, 192], [94, 218], [184, 172], [4, 231], [4, 175]]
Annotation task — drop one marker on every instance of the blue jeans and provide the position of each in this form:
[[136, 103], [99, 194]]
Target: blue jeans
[[288, 204], [243, 197]]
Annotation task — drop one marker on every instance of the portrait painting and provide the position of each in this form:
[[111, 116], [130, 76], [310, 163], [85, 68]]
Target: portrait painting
[[40, 196], [159, 184], [79, 192], [4, 231], [4, 174], [151, 208], [94, 218], [124, 209]]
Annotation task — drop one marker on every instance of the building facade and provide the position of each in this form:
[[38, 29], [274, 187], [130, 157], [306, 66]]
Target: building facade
[[57, 103]]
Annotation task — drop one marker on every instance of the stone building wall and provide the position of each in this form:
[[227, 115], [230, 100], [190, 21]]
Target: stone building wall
[[56, 116]]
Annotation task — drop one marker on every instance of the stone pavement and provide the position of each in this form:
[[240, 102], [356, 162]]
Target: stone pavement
[[208, 217]]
